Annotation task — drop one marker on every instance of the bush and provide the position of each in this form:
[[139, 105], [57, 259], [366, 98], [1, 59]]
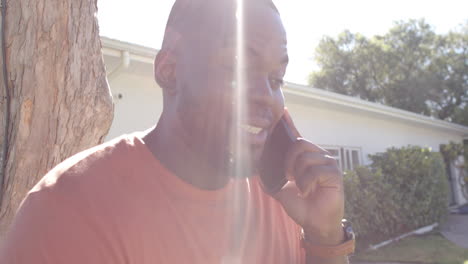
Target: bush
[[402, 190], [362, 188]]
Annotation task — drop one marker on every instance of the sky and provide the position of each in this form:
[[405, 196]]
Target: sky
[[306, 22]]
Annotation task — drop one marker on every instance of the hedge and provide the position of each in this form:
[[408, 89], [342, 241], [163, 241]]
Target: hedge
[[403, 189]]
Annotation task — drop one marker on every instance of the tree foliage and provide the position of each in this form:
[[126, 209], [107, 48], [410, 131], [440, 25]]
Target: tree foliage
[[410, 67]]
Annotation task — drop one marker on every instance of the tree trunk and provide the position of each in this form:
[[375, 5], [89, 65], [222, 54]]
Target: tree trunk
[[60, 101]]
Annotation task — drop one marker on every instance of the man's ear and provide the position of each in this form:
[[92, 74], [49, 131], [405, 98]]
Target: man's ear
[[164, 71]]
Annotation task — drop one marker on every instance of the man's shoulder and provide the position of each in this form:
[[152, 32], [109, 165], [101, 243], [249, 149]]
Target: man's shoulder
[[87, 192], [93, 166]]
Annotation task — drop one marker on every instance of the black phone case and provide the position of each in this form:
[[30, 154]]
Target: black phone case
[[272, 167]]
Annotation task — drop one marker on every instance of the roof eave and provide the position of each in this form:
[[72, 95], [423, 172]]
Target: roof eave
[[113, 47], [375, 108]]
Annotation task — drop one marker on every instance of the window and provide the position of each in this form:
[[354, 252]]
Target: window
[[348, 158]]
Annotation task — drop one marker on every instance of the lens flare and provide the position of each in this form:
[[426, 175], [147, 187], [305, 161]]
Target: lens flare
[[240, 150], [240, 96]]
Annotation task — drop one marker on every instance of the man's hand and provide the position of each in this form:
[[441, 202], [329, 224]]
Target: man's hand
[[314, 197]]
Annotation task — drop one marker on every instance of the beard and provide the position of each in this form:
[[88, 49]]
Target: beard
[[242, 163], [215, 136]]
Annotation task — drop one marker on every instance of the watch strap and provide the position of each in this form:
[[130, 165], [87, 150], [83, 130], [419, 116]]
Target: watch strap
[[340, 250], [344, 249]]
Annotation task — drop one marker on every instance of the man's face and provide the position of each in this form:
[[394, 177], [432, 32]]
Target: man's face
[[207, 74]]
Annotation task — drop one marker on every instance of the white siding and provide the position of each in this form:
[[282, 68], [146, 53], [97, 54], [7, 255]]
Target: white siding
[[343, 127], [326, 124], [140, 105]]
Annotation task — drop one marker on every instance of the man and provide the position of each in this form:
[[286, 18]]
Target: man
[[185, 191]]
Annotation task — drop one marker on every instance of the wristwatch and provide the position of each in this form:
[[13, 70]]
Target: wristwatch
[[344, 249]]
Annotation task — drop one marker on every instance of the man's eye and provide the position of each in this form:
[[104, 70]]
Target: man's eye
[[276, 83]]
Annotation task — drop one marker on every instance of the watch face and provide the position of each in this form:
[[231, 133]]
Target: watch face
[[349, 232], [348, 229]]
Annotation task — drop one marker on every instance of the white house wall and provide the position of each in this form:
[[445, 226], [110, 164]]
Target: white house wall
[[141, 105], [330, 126]]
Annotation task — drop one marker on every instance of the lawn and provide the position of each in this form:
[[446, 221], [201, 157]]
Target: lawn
[[430, 248]]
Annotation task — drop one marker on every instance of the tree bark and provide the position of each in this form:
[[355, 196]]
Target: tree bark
[[60, 101]]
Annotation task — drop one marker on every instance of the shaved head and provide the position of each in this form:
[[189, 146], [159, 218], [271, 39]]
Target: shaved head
[[188, 17]]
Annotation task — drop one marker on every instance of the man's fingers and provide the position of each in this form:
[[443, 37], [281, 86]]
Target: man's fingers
[[296, 149], [309, 159], [322, 176]]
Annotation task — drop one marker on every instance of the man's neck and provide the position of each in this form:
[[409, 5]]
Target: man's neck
[[173, 152]]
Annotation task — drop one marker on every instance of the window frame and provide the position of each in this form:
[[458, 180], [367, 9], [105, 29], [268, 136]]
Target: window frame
[[345, 155]]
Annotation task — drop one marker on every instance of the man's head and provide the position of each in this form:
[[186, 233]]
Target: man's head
[[197, 70]]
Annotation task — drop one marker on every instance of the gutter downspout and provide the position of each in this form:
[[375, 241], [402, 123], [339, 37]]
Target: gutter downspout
[[124, 64]]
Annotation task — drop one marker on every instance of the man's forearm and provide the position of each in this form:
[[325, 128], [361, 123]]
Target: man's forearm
[[334, 238], [318, 260]]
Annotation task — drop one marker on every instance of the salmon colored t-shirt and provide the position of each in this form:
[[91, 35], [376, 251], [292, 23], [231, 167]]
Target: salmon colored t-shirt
[[115, 203]]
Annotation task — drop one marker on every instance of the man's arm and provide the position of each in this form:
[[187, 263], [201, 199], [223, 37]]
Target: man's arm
[[317, 260], [315, 199], [332, 240]]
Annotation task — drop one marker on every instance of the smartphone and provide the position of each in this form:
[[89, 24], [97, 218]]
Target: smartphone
[[272, 167]]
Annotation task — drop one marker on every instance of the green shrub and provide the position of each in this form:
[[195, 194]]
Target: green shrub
[[362, 188], [404, 189]]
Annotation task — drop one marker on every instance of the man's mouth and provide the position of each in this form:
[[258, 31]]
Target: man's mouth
[[251, 129], [254, 135]]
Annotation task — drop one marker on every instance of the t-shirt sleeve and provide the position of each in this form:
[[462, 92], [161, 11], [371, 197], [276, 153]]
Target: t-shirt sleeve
[[49, 230]]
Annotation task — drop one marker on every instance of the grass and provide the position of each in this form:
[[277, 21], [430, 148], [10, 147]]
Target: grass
[[430, 248]]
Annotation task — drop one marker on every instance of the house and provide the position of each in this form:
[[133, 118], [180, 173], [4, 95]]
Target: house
[[348, 127]]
